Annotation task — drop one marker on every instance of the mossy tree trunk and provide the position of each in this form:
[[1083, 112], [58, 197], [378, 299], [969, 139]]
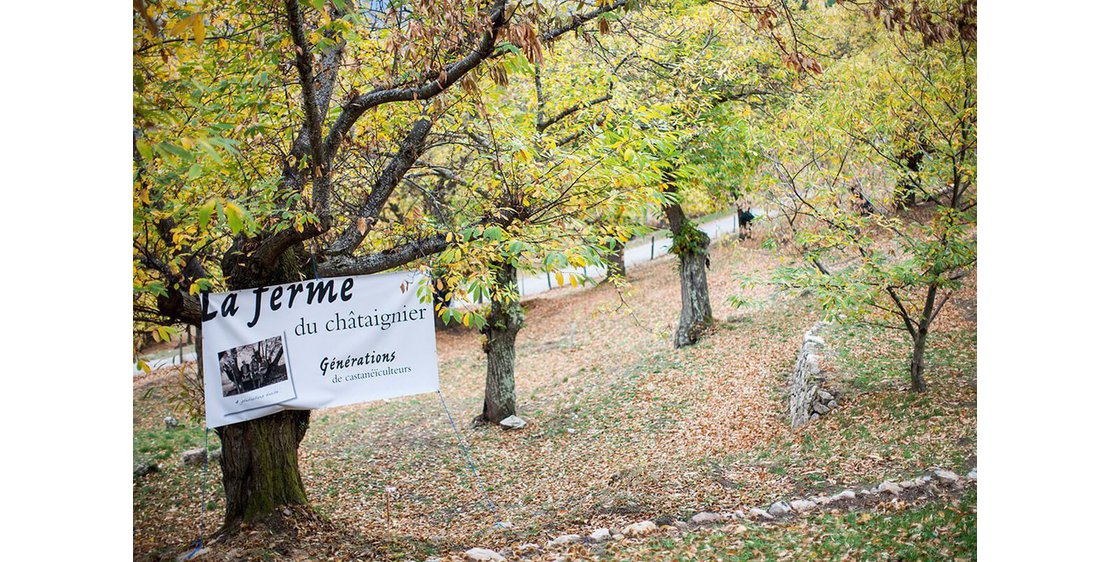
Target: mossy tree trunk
[[261, 470], [918, 329], [917, 362], [260, 466], [504, 321]]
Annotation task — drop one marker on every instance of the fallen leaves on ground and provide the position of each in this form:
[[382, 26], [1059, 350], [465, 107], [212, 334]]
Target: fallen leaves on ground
[[620, 426]]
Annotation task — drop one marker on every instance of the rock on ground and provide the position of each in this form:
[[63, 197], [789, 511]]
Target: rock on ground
[[706, 517], [564, 539], [144, 468], [802, 506], [194, 456], [778, 509], [639, 529], [600, 534], [890, 487], [946, 476], [756, 512], [484, 555], [513, 422]]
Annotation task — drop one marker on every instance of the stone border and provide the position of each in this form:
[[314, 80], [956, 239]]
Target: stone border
[[808, 397], [930, 484]]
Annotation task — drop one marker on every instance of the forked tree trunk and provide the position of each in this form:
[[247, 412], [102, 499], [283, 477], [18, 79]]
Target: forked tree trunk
[[505, 320], [260, 469], [692, 247], [920, 334]]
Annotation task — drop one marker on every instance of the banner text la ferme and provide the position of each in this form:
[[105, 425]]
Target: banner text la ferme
[[315, 344]]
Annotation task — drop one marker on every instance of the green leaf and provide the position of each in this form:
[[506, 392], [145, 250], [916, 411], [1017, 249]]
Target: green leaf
[[234, 216], [494, 233], [204, 213], [210, 150], [145, 151], [157, 288]]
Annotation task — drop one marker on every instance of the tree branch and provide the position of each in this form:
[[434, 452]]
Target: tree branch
[[407, 153], [431, 84], [544, 124], [388, 259]]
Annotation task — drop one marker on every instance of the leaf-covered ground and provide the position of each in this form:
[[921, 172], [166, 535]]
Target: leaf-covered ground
[[621, 428]]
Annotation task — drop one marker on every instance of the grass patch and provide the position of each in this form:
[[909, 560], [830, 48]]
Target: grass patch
[[163, 444], [933, 530]]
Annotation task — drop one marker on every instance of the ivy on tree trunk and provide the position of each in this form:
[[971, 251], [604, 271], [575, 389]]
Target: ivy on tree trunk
[[505, 320]]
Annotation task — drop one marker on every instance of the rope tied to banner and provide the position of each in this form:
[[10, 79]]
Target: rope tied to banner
[[314, 273]]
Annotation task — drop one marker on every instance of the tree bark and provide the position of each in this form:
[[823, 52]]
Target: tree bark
[[260, 468], [505, 320], [441, 299], [615, 261], [260, 464], [692, 247], [917, 364]]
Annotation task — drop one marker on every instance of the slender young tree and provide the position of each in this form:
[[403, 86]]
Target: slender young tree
[[896, 271]]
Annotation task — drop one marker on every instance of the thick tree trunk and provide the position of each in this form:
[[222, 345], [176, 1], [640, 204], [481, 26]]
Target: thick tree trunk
[[692, 247], [505, 320], [615, 262], [260, 469], [259, 460]]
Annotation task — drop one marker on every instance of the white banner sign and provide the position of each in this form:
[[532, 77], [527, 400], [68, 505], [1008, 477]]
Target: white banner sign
[[314, 344]]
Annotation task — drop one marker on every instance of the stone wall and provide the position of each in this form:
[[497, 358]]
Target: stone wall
[[808, 398]]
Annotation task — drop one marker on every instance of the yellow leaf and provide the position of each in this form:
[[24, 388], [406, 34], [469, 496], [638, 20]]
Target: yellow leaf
[[559, 278], [198, 29], [178, 30]]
